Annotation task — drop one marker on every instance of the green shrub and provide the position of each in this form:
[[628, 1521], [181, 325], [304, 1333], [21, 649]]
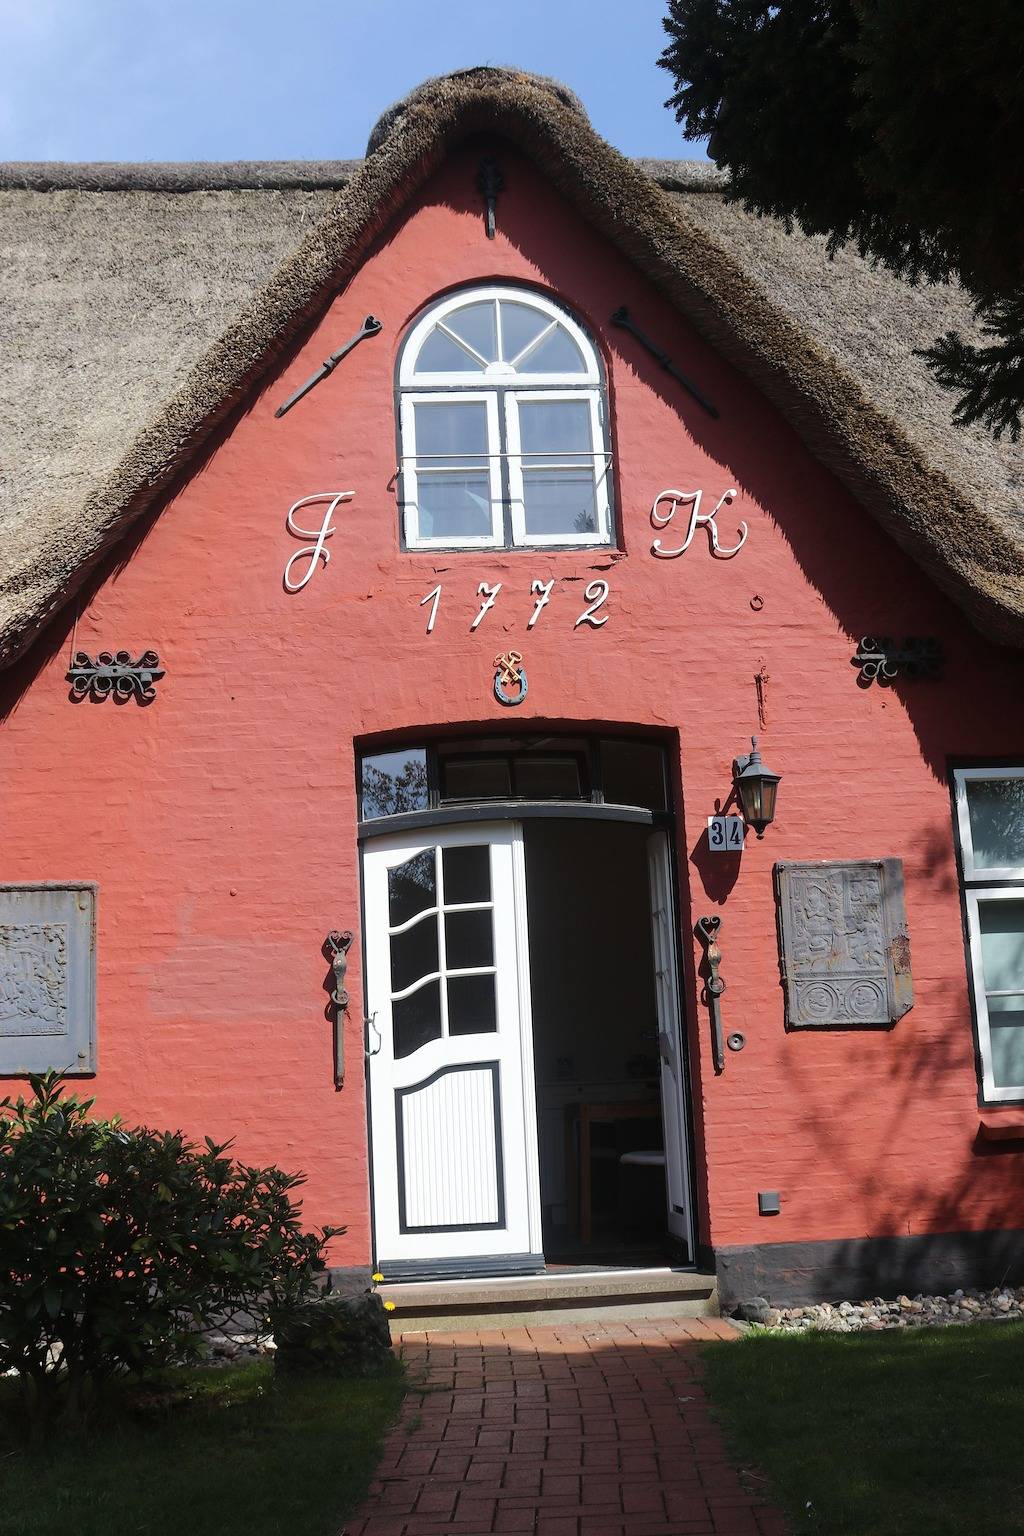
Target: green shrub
[[119, 1247]]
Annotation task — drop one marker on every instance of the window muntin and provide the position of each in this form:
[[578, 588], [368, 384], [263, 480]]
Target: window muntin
[[452, 475], [502, 426], [441, 937], [990, 819]]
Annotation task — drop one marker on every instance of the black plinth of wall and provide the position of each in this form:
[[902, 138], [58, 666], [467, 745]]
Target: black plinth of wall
[[856, 1268]]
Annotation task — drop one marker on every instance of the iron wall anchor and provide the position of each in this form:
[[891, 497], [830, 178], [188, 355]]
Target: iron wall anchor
[[337, 947], [622, 318], [490, 182], [370, 327], [707, 931]]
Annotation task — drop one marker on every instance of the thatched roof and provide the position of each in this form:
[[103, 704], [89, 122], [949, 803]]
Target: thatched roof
[[138, 304]]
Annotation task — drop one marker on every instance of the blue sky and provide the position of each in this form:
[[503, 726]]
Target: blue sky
[[301, 79]]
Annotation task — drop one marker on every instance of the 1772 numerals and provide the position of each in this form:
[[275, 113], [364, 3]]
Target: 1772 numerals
[[595, 593]]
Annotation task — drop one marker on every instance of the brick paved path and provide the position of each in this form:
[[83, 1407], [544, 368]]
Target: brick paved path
[[582, 1430]]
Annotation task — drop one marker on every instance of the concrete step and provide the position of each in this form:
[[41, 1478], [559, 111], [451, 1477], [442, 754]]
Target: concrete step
[[560, 1296]]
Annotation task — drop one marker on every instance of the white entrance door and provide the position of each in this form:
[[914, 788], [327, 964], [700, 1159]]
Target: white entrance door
[[453, 1117], [670, 1038]]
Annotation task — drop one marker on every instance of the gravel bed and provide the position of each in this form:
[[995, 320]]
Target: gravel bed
[[996, 1306]]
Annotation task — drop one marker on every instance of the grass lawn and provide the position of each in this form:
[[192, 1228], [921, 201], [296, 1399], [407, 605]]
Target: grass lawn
[[884, 1434], [210, 1453]]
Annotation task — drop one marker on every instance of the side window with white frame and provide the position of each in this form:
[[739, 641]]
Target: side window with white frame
[[502, 426], [990, 821]]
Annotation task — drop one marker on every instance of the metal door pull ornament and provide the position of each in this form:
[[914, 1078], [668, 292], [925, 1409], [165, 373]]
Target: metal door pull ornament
[[714, 986], [337, 946], [370, 327]]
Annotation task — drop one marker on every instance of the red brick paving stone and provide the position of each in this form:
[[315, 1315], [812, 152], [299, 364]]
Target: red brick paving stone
[[587, 1429]]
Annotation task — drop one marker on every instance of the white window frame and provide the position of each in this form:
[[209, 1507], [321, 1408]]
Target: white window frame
[[962, 777], [503, 439], [598, 466], [411, 472], [1001, 883]]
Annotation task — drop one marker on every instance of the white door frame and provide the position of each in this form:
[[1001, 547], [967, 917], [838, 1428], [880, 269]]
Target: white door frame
[[672, 1041], [675, 1087], [515, 1232]]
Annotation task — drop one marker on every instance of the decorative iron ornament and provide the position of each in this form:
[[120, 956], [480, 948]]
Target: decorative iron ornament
[[490, 182], [509, 673], [336, 948], [622, 318], [714, 986], [881, 660], [370, 327], [115, 673]]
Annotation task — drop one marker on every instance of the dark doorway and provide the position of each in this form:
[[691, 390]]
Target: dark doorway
[[596, 1046]]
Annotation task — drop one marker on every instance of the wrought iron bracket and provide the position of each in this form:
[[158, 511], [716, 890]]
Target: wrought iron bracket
[[707, 932], [115, 673], [371, 326], [336, 948], [622, 318], [490, 182], [881, 660]]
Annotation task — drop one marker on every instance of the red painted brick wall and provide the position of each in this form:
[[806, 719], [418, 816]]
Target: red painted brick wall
[[220, 822]]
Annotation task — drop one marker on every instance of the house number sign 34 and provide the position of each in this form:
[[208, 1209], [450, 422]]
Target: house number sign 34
[[725, 834]]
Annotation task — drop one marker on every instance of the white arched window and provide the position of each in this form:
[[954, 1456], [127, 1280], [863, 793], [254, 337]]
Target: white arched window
[[502, 426]]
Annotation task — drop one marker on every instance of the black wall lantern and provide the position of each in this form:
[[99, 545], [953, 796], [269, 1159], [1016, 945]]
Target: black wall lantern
[[756, 788]]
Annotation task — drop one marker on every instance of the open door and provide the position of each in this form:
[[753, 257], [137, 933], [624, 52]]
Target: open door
[[670, 1039], [453, 1119]]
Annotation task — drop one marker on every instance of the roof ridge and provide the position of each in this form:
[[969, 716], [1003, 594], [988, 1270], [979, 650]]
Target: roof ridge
[[174, 176], [267, 175]]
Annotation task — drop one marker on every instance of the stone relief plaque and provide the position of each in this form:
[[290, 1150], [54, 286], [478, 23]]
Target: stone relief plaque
[[47, 978], [843, 947], [33, 979]]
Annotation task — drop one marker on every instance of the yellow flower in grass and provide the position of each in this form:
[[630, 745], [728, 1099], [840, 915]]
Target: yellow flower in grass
[[389, 1306], [376, 1277]]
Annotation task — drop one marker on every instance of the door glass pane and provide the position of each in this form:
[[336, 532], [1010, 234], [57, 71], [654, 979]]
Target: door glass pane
[[393, 782], [453, 506], [1002, 944], [560, 428], [412, 887], [417, 1019], [633, 773], [559, 501], [471, 1005], [557, 353], [520, 324], [476, 778], [440, 354], [475, 324], [413, 953], [468, 940], [996, 808], [467, 875], [1006, 1029], [548, 778], [452, 429]]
